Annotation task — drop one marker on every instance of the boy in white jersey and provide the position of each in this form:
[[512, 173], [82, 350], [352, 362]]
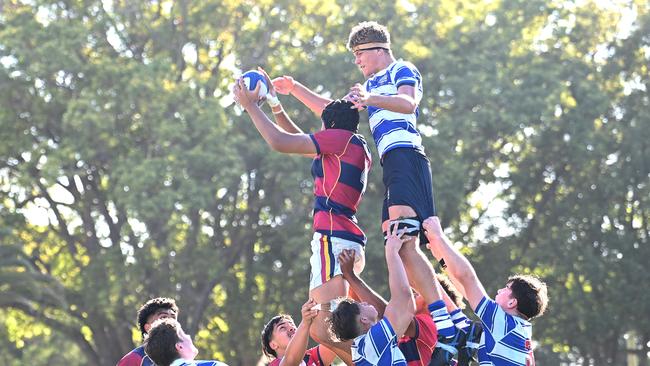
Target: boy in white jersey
[[507, 331], [375, 340], [168, 345], [391, 94]]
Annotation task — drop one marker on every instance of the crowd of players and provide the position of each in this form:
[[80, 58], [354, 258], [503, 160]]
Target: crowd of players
[[423, 322]]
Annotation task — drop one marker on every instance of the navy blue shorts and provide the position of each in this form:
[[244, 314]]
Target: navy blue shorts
[[407, 179]]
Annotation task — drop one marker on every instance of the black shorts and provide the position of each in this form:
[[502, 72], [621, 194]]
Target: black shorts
[[407, 179]]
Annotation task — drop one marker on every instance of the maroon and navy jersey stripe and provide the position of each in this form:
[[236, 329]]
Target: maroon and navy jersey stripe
[[417, 350], [340, 172]]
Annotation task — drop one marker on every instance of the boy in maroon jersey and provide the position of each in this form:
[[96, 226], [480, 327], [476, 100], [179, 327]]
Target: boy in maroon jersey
[[340, 169], [288, 344]]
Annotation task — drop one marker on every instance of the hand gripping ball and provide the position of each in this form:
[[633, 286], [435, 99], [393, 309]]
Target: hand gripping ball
[[251, 78]]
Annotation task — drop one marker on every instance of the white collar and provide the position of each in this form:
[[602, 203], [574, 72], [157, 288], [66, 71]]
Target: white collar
[[181, 361]]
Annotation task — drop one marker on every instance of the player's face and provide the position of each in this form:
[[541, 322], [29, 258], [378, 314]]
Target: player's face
[[283, 332], [420, 306], [185, 347], [160, 314], [504, 296], [368, 311], [367, 61]]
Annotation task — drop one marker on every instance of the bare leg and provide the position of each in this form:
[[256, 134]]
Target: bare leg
[[418, 267]]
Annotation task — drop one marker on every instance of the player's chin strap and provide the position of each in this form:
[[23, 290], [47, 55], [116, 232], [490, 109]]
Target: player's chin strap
[[410, 224]]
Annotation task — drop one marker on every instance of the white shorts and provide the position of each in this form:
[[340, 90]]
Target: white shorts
[[324, 259]]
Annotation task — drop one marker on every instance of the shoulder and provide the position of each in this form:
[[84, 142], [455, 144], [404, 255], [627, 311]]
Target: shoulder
[[132, 358], [401, 65], [383, 328]]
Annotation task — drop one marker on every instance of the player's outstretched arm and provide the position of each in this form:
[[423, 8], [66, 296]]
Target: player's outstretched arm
[[275, 137], [401, 307], [281, 117], [287, 85], [358, 285], [298, 345], [457, 265]]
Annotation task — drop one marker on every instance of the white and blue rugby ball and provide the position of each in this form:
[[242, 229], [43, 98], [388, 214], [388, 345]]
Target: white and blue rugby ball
[[251, 78]]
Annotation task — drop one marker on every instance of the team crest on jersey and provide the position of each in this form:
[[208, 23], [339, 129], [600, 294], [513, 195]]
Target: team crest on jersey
[[383, 80], [528, 345]]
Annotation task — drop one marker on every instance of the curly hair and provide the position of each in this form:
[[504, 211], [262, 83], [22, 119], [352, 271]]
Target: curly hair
[[531, 295], [160, 345], [368, 32], [153, 306], [451, 290], [344, 323], [267, 333]]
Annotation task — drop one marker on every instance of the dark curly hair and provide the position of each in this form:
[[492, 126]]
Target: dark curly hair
[[368, 32], [267, 333], [531, 295], [345, 323], [152, 307], [451, 290], [160, 345], [341, 114]]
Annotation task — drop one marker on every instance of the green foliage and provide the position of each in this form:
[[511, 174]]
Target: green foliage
[[125, 173]]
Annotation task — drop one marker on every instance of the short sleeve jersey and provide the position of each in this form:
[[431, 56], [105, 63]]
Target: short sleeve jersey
[[417, 350], [137, 357], [312, 358], [378, 347], [340, 172], [392, 130], [506, 339]]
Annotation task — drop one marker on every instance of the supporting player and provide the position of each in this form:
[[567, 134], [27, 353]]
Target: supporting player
[[149, 312], [507, 330], [287, 345], [375, 338], [168, 345]]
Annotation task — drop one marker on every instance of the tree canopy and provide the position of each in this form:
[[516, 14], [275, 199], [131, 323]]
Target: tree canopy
[[126, 173]]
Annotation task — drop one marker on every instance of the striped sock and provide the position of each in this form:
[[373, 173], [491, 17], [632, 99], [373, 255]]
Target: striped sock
[[443, 322], [460, 320]]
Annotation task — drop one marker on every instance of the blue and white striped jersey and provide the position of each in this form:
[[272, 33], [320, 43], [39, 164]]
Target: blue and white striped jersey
[[506, 339], [378, 347], [392, 130]]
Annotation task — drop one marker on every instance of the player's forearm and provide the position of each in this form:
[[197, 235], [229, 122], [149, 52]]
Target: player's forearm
[[398, 282], [399, 103], [365, 293], [457, 265], [270, 132], [313, 101], [284, 121], [297, 346]]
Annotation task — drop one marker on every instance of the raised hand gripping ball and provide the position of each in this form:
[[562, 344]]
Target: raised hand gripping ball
[[251, 78]]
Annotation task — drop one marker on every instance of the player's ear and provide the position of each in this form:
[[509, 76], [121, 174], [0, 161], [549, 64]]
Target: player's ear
[[512, 303], [273, 345]]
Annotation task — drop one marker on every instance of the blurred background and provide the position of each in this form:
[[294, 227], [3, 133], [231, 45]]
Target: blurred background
[[126, 173]]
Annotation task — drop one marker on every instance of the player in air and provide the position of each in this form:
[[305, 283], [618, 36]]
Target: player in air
[[341, 161]]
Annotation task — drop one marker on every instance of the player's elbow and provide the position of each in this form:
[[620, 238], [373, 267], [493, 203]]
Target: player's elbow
[[411, 106], [277, 144]]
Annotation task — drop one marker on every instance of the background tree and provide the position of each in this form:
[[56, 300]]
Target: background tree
[[126, 174]]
